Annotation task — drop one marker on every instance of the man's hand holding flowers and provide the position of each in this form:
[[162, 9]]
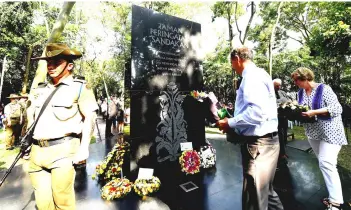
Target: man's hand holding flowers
[[223, 125]]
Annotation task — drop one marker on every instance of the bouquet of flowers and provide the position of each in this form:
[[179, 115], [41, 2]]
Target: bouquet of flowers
[[116, 188], [198, 95], [207, 156], [190, 162], [293, 111], [111, 166], [211, 98], [144, 187]]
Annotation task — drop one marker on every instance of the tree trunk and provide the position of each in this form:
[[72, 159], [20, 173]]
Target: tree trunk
[[56, 32], [253, 11], [231, 37], [2, 74], [26, 73], [271, 41]]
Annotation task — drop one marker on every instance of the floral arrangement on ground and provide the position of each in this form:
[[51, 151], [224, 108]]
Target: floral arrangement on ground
[[144, 187], [111, 166], [190, 162], [116, 189], [207, 156]]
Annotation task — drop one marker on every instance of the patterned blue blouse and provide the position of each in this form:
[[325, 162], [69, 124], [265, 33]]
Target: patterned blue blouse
[[331, 131]]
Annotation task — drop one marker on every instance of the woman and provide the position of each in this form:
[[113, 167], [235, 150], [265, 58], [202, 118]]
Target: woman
[[326, 135]]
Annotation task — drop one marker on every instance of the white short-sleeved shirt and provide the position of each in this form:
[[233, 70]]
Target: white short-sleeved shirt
[[331, 131]]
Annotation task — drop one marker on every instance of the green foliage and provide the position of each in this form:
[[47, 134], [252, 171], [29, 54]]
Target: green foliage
[[218, 73], [15, 28], [333, 35], [324, 29], [262, 33], [226, 9]]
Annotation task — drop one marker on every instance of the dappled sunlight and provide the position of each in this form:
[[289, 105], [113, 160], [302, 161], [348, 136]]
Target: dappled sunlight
[[151, 203]]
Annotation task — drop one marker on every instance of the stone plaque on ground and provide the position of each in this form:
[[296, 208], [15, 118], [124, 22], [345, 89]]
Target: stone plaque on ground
[[165, 65]]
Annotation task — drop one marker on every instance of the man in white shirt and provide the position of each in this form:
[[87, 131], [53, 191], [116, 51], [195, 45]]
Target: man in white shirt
[[255, 121]]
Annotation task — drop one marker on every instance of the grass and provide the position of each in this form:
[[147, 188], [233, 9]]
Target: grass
[[7, 156], [212, 130], [126, 129], [93, 140]]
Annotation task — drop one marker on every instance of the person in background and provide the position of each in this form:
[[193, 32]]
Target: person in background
[[120, 119], [2, 118], [327, 135], [256, 123], [111, 115], [99, 104], [104, 109], [114, 120], [230, 110], [12, 121], [23, 101], [127, 116], [282, 97]]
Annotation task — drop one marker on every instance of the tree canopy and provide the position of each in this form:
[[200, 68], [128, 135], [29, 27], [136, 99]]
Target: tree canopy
[[316, 35]]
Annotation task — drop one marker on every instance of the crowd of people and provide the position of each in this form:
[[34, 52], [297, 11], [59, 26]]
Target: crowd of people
[[116, 117]]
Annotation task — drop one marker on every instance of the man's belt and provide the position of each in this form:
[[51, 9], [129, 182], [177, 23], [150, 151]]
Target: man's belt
[[241, 139], [15, 118], [55, 141], [269, 135]]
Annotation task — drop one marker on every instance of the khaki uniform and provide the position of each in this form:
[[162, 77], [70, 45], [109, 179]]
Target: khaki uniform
[[51, 169], [24, 117], [13, 112]]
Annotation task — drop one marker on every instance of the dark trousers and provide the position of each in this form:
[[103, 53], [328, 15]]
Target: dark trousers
[[108, 127], [283, 134], [259, 160]]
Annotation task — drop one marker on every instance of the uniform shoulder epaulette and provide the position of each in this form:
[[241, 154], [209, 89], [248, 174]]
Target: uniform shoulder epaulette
[[42, 84], [79, 80]]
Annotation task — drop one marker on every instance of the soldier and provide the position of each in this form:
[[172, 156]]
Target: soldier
[[12, 121], [23, 101], [62, 134]]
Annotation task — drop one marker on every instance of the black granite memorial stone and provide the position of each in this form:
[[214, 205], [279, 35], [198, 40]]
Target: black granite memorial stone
[[164, 50], [165, 66]]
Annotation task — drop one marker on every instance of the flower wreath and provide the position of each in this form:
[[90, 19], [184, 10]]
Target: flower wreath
[[207, 156], [111, 166], [115, 189], [144, 187], [190, 162]]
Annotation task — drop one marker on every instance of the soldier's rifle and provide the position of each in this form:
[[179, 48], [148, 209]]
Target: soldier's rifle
[[26, 143]]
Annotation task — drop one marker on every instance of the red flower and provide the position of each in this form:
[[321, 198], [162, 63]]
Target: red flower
[[114, 169], [112, 189]]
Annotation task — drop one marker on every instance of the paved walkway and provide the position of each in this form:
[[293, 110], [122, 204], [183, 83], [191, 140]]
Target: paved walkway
[[300, 185]]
